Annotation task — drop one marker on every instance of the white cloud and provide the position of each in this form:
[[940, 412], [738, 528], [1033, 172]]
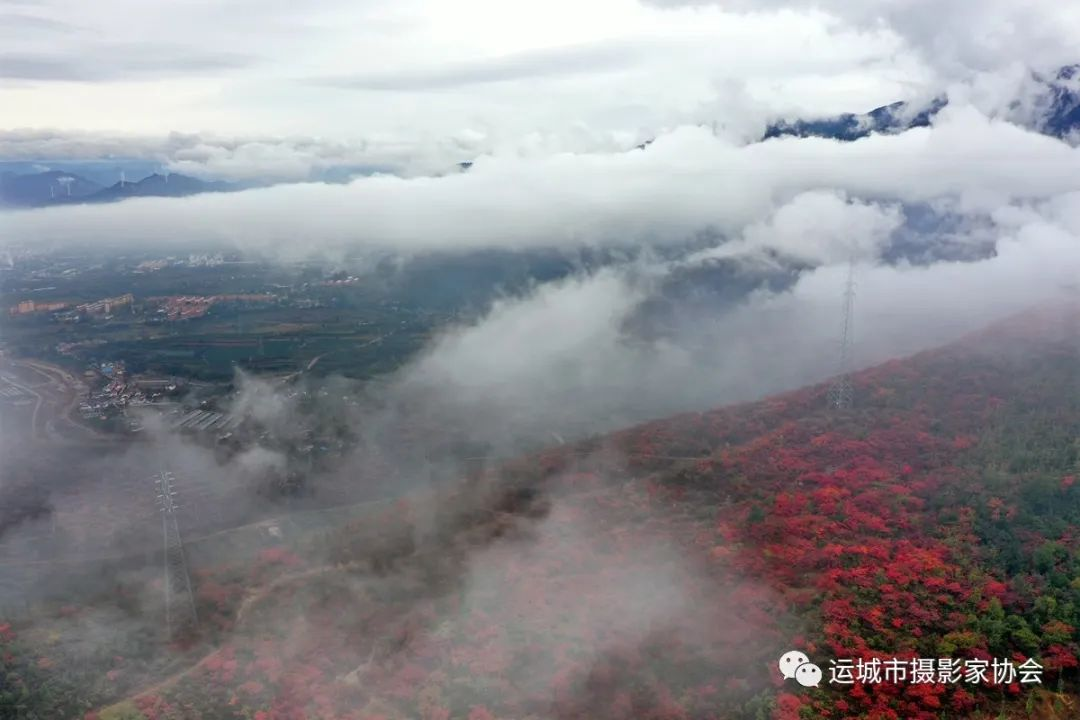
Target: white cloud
[[683, 183], [512, 78], [955, 36], [563, 360], [817, 227], [424, 72]]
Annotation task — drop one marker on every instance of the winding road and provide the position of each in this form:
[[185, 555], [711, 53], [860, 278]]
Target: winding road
[[253, 597]]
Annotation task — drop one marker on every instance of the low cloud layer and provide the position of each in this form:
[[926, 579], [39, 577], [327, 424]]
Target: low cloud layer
[[817, 227], [566, 357], [685, 182]]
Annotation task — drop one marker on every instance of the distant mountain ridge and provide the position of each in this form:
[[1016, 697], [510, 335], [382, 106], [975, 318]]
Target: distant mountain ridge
[[893, 118], [44, 187], [56, 187], [157, 185], [1057, 105]]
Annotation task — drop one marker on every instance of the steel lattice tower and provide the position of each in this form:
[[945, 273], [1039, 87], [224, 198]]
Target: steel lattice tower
[[841, 393], [180, 615]]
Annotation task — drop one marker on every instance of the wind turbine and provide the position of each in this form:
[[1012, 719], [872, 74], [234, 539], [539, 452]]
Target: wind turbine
[[66, 182]]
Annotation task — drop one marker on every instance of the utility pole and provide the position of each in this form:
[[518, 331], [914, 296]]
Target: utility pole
[[841, 393], [180, 615]]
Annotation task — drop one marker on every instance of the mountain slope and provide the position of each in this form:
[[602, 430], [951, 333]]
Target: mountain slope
[[1055, 111], [893, 118], [659, 572], [936, 520], [156, 185]]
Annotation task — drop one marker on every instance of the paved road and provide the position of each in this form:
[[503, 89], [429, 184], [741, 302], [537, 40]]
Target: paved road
[[55, 393], [11, 380]]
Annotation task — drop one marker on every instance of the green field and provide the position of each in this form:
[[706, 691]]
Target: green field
[[353, 331]]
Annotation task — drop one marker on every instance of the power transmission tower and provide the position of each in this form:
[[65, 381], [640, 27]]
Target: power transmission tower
[[180, 615], [841, 393]]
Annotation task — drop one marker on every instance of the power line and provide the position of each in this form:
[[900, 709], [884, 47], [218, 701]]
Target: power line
[[841, 393], [180, 615]]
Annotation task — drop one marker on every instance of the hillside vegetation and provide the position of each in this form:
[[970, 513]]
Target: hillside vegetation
[[658, 573]]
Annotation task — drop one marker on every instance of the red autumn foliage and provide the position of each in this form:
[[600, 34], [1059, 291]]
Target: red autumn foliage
[[936, 520]]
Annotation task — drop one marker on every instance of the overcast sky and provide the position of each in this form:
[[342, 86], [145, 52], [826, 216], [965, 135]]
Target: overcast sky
[[347, 69], [426, 82]]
